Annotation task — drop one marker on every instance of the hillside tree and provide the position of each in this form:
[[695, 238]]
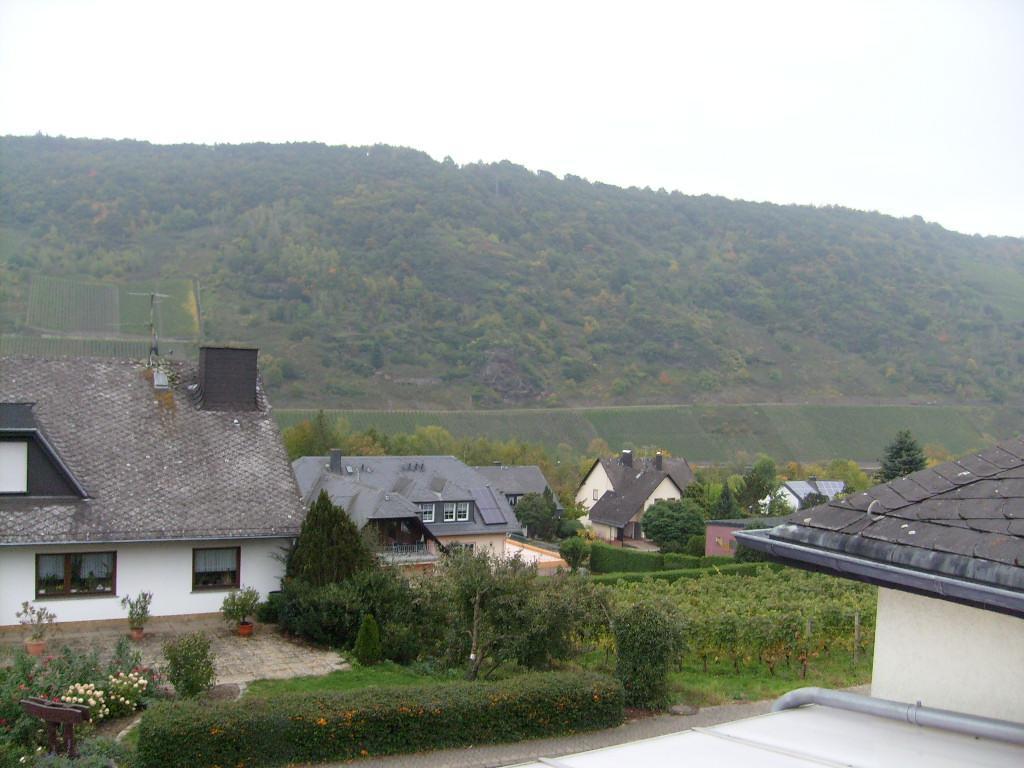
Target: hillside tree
[[902, 456]]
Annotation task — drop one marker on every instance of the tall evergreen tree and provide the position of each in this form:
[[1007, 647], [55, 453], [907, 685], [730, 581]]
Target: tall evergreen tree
[[726, 507], [902, 456], [329, 547]]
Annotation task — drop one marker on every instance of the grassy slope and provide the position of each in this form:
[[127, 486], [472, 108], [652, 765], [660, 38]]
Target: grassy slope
[[717, 433]]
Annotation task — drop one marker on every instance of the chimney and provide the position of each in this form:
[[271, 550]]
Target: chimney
[[336, 460], [657, 461], [227, 378], [627, 458]]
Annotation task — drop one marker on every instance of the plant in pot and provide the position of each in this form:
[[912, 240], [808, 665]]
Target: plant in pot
[[138, 612], [38, 621], [238, 606]]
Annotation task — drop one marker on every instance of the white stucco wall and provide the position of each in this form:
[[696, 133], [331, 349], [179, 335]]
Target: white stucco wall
[[165, 569], [666, 491], [597, 480], [948, 656]]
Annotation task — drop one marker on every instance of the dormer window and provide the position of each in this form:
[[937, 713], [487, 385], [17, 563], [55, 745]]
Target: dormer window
[[14, 466]]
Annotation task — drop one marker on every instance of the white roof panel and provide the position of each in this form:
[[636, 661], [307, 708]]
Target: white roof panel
[[796, 738]]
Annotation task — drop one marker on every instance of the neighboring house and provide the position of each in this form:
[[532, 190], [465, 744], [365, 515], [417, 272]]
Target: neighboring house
[[720, 538], [516, 481], [547, 560], [417, 502], [118, 478], [795, 492], [616, 492], [946, 547]]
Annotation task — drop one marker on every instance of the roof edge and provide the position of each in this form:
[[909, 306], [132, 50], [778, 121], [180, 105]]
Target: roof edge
[[880, 574]]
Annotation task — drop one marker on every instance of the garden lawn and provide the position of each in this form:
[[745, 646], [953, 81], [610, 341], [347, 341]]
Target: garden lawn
[[385, 673], [721, 685]]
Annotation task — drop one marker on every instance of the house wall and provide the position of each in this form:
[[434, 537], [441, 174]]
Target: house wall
[[164, 568], [948, 656], [597, 480], [495, 542], [666, 491], [719, 540], [605, 532]]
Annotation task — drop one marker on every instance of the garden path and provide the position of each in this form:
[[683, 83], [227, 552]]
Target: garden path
[[267, 654]]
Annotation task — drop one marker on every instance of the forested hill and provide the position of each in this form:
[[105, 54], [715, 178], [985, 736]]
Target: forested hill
[[378, 277]]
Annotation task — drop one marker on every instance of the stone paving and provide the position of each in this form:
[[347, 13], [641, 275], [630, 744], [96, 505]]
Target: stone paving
[[266, 654]]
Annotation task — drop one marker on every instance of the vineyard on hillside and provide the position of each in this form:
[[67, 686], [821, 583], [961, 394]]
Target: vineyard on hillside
[[55, 304], [70, 346]]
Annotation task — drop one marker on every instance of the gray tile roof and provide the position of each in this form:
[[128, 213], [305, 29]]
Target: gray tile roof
[[412, 478], [633, 485], [962, 519], [517, 479], [154, 466]]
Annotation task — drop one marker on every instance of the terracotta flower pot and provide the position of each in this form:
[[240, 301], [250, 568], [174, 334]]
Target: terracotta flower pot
[[35, 647], [137, 633], [245, 629]]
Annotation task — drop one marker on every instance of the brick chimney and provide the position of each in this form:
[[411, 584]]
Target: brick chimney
[[627, 458], [227, 378]]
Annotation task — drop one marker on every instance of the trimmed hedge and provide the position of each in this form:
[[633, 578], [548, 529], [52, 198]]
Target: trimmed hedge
[[734, 569], [605, 558], [298, 728], [674, 561]]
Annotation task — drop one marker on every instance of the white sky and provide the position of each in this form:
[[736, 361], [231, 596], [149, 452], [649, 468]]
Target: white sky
[[903, 107]]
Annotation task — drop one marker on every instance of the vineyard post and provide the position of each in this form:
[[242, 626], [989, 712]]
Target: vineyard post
[[856, 636]]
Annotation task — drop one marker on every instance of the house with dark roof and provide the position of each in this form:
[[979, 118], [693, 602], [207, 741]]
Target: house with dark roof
[[946, 547], [417, 503], [515, 481], [797, 492], [720, 535], [616, 492], [117, 478]]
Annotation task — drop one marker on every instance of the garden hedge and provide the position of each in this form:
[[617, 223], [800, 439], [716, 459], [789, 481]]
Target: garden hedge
[[304, 727], [734, 569], [605, 558]]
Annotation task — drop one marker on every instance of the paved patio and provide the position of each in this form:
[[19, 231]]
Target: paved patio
[[267, 654]]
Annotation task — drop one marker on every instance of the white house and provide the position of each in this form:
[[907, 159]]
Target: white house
[[946, 547], [117, 478], [616, 492], [795, 492]]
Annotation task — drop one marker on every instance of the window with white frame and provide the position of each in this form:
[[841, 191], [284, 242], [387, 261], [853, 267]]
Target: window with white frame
[[449, 512], [462, 511], [14, 466], [595, 494], [427, 510]]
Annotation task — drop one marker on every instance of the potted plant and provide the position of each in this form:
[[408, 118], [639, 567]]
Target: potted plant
[[138, 612], [38, 620], [238, 606]]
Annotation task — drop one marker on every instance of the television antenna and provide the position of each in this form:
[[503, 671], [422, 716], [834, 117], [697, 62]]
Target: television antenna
[[154, 347]]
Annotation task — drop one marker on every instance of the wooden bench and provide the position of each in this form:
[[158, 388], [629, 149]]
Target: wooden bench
[[54, 714]]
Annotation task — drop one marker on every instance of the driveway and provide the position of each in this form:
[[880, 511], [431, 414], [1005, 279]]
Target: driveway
[[267, 654]]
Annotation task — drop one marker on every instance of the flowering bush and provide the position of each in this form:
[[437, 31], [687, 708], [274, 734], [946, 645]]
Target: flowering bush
[[89, 695], [125, 692]]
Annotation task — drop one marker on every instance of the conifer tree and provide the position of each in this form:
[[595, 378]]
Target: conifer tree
[[329, 547], [902, 456], [726, 507], [367, 649]]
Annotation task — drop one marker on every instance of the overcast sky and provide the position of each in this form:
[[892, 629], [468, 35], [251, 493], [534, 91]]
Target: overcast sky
[[902, 107]]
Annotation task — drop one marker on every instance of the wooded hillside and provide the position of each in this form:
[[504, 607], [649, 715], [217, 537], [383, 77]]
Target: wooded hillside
[[377, 277]]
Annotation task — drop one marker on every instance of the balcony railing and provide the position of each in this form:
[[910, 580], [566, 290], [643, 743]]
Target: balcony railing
[[407, 552]]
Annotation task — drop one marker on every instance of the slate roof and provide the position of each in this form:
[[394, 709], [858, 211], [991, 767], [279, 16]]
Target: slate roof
[[154, 467], [517, 479], [963, 520], [804, 488], [751, 522], [633, 485], [411, 478]]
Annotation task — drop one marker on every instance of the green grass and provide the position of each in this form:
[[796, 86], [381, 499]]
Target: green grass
[[703, 433], [177, 315], [721, 684], [384, 674]]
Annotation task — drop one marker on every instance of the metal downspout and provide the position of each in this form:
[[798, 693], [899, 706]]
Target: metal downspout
[[944, 719]]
